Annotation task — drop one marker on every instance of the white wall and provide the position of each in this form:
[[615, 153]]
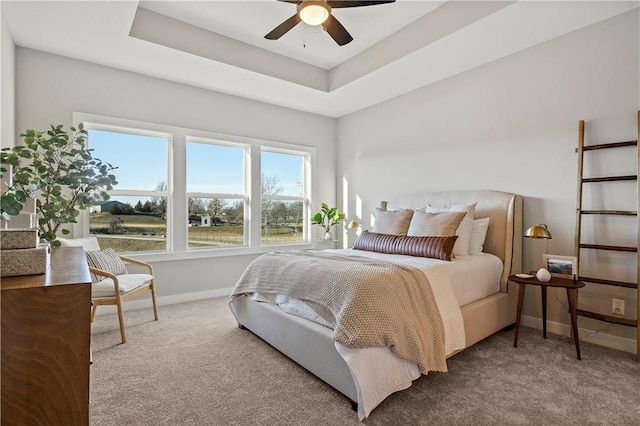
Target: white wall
[[50, 88], [7, 86], [510, 125]]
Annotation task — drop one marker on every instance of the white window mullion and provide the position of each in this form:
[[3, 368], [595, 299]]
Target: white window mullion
[[179, 215], [216, 195], [309, 192], [283, 198], [255, 198]]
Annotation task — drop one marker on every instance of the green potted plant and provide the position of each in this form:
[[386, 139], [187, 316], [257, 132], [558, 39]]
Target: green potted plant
[[327, 218], [57, 169]]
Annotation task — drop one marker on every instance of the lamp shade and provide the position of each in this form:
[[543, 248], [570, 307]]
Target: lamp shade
[[538, 231]]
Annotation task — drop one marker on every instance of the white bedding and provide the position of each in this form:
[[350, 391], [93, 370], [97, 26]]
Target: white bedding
[[378, 373], [471, 277]]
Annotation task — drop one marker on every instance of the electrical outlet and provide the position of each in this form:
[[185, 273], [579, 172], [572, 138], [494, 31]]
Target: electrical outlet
[[617, 306]]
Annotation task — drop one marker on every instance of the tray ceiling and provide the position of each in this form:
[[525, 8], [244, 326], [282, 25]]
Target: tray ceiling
[[220, 45]]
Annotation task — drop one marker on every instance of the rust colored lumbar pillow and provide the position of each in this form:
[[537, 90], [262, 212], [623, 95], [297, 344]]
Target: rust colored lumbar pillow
[[430, 246]]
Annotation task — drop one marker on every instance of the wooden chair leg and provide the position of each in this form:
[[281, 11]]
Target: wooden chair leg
[[121, 319], [153, 298], [93, 312]]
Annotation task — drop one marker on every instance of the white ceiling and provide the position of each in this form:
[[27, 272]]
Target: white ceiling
[[219, 45], [249, 21]]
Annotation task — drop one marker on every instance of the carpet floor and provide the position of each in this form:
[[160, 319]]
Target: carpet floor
[[196, 367]]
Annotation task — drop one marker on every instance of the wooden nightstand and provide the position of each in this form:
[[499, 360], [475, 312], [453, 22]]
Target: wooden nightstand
[[572, 296]]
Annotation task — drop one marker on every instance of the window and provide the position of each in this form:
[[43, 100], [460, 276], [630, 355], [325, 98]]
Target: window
[[284, 196], [216, 194], [185, 193], [135, 217]]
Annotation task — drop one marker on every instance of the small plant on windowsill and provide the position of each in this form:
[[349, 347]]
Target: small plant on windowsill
[[327, 218], [57, 169]]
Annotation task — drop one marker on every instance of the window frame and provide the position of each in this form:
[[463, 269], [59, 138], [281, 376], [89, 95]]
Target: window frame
[[305, 198], [89, 125], [243, 197], [177, 201]]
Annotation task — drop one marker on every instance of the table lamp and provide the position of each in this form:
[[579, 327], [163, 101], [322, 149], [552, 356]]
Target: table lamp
[[539, 231]]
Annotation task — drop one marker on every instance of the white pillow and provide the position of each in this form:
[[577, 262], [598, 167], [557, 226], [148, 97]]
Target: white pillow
[[480, 227], [443, 224], [88, 243], [465, 229], [395, 222]]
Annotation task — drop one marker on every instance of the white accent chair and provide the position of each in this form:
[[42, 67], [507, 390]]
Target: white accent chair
[[116, 289]]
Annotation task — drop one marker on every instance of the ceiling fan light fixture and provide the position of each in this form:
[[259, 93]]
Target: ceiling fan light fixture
[[314, 12]]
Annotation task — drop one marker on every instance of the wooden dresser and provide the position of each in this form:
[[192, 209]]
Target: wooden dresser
[[46, 329]]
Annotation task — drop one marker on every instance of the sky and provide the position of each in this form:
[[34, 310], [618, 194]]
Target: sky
[[141, 162], [140, 159]]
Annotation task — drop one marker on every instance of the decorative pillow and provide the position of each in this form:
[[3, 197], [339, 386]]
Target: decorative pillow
[[466, 226], [106, 260], [480, 227], [433, 247], [442, 224], [88, 243], [395, 222]]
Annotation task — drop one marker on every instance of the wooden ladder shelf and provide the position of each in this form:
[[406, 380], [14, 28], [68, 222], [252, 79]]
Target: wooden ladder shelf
[[579, 245]]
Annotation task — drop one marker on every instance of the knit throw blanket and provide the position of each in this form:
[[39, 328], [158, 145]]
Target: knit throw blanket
[[369, 302]]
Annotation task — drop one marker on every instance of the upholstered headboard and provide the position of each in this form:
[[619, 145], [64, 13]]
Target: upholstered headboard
[[504, 236]]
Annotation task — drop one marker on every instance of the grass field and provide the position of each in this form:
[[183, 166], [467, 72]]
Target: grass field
[[142, 232]]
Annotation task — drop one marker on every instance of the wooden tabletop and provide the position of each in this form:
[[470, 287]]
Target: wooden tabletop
[[555, 282], [67, 265]]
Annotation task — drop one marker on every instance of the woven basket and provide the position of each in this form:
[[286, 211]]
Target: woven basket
[[30, 261], [18, 238]]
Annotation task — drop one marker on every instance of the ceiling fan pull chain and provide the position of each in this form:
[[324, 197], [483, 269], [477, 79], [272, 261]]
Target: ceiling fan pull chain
[[304, 36]]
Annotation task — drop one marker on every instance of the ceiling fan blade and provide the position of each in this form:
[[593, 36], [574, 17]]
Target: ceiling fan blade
[[337, 31], [291, 1], [338, 3], [283, 28]]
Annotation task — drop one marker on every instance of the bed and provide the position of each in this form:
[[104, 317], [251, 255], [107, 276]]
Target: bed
[[368, 375]]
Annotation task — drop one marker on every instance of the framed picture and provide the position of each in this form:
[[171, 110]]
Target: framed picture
[[561, 266]]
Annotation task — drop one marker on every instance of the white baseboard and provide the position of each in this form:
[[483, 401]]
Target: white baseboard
[[603, 339], [587, 335], [145, 302]]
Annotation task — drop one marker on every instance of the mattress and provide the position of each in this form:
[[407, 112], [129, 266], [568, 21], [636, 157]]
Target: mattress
[[471, 278]]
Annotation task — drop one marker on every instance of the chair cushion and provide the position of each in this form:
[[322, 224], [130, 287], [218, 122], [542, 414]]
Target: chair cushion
[[127, 283], [107, 260]]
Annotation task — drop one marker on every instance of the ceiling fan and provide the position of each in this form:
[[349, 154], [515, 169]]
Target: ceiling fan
[[318, 12]]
